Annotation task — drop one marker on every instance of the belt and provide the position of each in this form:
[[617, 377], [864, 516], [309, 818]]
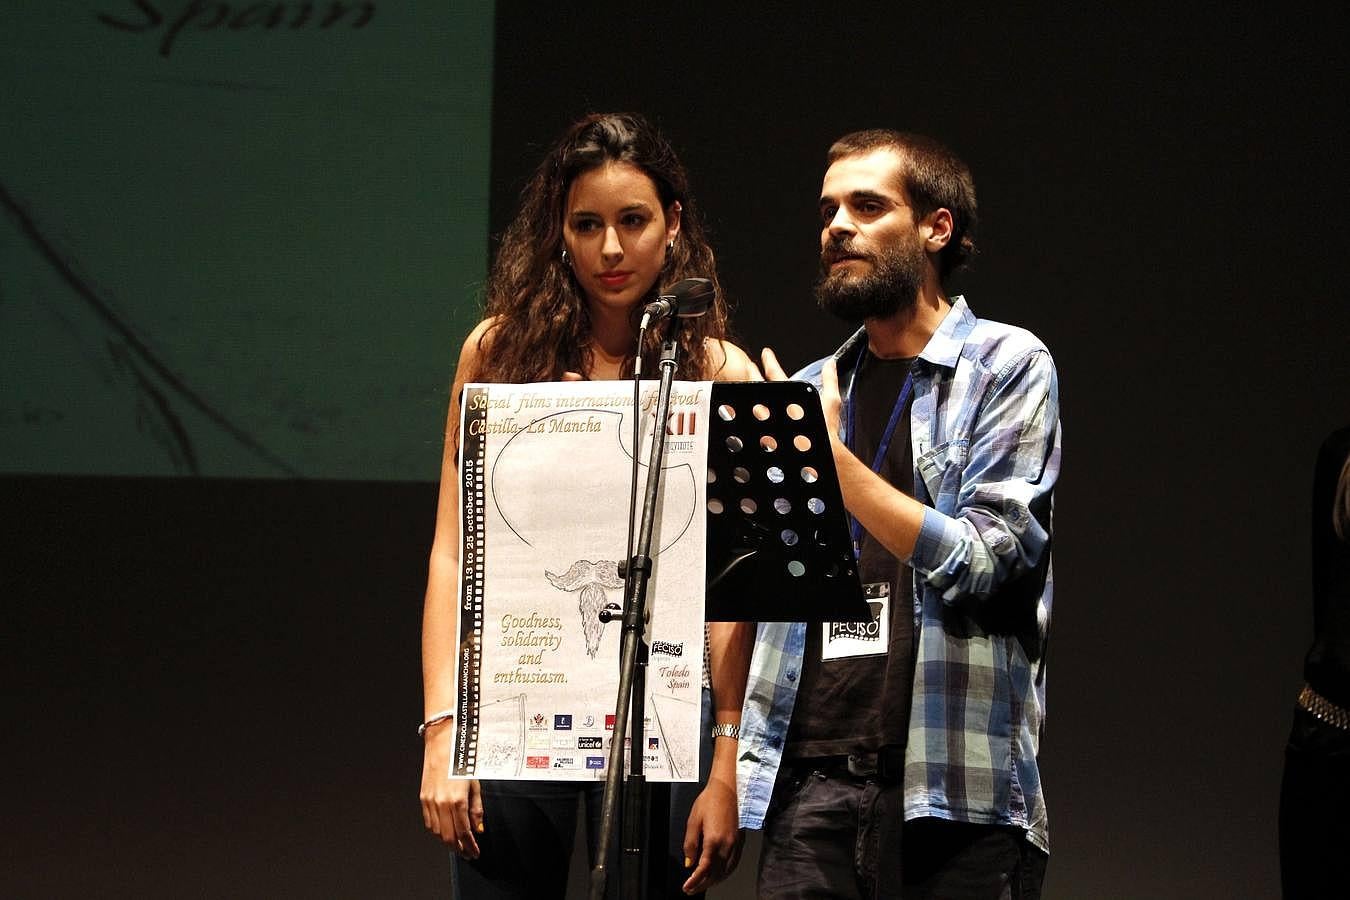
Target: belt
[[888, 764], [1324, 709]]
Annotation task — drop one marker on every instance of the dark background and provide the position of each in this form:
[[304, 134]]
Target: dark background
[[211, 685]]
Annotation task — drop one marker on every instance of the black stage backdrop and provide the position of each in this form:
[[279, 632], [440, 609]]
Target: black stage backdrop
[[210, 685]]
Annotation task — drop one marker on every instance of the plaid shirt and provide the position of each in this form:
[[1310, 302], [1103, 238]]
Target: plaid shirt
[[985, 434]]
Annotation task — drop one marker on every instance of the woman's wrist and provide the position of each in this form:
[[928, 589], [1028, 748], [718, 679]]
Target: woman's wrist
[[434, 720]]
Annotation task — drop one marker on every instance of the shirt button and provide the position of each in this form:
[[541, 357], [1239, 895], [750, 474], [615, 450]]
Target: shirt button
[[775, 741], [790, 675]]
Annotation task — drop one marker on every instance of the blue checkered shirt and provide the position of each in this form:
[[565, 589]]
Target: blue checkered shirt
[[985, 433]]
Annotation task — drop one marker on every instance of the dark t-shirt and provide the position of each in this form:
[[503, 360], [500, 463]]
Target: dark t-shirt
[[854, 704]]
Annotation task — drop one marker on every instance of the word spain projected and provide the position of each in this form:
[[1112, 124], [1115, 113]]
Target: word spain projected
[[238, 239]]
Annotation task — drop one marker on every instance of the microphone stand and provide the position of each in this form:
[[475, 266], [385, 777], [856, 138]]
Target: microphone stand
[[633, 671]]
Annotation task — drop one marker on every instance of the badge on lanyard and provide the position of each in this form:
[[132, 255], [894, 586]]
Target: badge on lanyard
[[847, 640]]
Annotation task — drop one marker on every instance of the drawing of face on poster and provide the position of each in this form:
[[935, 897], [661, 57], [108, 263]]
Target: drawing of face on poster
[[561, 485]]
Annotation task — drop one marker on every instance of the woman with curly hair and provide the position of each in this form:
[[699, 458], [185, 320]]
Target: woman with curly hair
[[605, 222]]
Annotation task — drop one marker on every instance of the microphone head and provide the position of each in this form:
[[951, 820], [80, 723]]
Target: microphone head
[[692, 297]]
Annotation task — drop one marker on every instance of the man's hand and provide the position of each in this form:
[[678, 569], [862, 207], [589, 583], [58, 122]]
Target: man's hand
[[712, 838], [830, 401], [772, 370]]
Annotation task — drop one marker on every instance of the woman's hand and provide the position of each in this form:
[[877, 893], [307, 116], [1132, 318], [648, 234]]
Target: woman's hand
[[452, 808]]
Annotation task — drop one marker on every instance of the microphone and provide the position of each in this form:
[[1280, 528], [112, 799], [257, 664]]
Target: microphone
[[688, 299]]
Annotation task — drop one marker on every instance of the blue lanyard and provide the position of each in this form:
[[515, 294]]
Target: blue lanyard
[[850, 420]]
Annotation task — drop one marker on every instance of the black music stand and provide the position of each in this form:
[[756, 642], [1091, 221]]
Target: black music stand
[[779, 549]]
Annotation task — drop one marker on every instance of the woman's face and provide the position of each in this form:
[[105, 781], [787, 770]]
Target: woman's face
[[616, 233]]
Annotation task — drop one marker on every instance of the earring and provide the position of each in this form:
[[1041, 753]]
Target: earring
[[566, 260], [670, 247]]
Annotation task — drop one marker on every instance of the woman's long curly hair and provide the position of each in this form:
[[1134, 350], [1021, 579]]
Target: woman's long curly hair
[[542, 324]]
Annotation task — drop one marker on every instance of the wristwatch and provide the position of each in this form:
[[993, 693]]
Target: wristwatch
[[727, 729]]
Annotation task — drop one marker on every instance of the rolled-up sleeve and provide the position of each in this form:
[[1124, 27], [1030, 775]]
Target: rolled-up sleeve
[[996, 487], [770, 693]]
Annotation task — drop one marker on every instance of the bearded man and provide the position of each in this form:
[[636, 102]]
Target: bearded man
[[905, 765]]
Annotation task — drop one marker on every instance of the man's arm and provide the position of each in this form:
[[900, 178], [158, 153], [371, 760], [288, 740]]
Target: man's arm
[[1009, 471], [1001, 525], [712, 838], [888, 514]]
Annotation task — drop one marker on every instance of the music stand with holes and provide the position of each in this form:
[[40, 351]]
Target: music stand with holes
[[779, 548]]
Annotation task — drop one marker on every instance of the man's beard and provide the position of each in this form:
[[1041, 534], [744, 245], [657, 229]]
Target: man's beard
[[892, 285]]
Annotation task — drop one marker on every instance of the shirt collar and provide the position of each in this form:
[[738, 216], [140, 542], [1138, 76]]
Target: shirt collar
[[943, 348]]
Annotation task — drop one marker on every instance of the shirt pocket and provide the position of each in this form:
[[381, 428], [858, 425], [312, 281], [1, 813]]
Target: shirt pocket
[[940, 472]]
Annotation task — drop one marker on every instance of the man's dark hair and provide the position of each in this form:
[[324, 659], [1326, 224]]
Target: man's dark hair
[[934, 178]]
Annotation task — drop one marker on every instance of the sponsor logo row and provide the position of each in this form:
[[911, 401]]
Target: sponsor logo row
[[563, 722], [549, 741], [576, 762]]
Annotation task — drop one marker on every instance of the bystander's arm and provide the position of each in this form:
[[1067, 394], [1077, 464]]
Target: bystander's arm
[[712, 840]]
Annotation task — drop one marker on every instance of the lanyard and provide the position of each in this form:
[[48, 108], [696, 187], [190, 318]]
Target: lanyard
[[850, 434]]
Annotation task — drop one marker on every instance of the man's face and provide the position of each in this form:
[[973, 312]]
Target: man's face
[[872, 258]]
